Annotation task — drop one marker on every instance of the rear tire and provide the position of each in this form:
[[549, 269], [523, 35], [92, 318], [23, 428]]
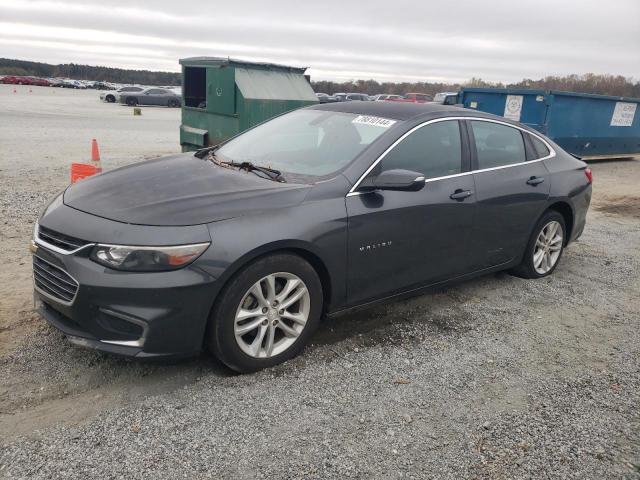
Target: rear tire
[[173, 104], [544, 248], [250, 331], [132, 101], [111, 99]]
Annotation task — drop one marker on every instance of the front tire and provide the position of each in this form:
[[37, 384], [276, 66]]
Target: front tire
[[111, 99], [266, 314], [544, 248], [132, 101]]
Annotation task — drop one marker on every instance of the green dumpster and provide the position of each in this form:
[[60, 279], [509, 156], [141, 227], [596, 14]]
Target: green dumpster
[[223, 97]]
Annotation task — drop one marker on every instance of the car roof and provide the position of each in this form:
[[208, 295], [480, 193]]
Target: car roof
[[394, 110]]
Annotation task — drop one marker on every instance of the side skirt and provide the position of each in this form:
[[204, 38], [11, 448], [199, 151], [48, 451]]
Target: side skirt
[[414, 292]]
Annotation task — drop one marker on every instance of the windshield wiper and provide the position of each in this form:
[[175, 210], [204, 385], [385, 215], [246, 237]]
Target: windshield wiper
[[201, 153], [270, 173]]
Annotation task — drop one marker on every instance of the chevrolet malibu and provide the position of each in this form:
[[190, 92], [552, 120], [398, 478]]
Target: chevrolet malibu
[[241, 249]]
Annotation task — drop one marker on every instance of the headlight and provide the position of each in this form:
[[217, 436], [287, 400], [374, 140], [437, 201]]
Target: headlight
[[147, 259]]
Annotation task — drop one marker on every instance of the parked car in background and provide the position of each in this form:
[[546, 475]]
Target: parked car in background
[[68, 83], [446, 98], [55, 82], [325, 98], [385, 96], [112, 97], [103, 86], [412, 98], [151, 96], [340, 97], [40, 82], [16, 80], [362, 97]]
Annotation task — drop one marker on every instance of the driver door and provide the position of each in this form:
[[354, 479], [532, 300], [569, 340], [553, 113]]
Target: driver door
[[400, 240]]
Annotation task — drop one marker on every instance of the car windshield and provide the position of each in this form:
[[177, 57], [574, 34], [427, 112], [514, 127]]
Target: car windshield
[[305, 144]]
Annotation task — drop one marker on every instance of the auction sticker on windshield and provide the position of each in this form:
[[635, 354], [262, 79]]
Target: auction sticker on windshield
[[376, 121]]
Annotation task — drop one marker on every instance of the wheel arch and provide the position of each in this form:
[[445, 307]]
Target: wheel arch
[[564, 209], [302, 249]]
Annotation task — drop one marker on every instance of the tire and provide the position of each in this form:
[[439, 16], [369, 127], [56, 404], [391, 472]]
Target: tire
[[534, 264], [234, 348], [132, 101], [110, 98], [173, 104]]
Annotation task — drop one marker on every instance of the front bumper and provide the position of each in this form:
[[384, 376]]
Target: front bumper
[[159, 314]]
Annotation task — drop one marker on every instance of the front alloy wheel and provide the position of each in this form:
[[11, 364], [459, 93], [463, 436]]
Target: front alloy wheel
[[272, 315], [266, 313]]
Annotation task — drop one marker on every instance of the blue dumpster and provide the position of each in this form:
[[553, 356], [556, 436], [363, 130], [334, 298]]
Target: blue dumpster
[[586, 125]]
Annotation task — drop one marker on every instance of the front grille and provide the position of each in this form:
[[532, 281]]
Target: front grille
[[54, 281], [60, 240]]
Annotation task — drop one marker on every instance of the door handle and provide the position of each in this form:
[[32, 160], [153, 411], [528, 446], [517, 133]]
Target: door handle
[[535, 181], [460, 194]]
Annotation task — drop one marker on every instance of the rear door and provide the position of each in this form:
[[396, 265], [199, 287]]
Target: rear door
[[512, 189], [399, 240], [154, 96]]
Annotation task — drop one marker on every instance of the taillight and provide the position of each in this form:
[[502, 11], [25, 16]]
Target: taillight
[[589, 174]]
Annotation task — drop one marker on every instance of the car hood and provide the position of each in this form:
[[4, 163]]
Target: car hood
[[179, 190]]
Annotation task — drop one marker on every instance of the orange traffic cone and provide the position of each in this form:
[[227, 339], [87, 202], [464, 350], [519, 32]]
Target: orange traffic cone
[[95, 156], [81, 170]]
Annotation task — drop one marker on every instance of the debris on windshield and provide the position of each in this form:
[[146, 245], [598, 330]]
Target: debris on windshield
[[268, 173]]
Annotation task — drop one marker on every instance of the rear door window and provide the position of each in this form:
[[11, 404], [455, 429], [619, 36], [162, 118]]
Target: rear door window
[[497, 145], [433, 150]]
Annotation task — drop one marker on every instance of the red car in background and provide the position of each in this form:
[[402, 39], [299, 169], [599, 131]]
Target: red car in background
[[412, 98], [24, 80], [13, 80], [41, 82]]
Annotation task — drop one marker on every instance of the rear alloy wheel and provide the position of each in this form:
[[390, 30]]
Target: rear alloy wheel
[[266, 314], [545, 247], [548, 247]]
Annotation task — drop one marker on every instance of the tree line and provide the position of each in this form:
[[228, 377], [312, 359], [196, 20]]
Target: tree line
[[617, 85]]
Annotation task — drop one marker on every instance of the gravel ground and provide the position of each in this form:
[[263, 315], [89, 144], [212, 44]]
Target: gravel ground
[[495, 378]]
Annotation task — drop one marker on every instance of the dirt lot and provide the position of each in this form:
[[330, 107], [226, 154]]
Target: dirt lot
[[495, 378]]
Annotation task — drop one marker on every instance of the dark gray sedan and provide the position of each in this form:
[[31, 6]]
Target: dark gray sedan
[[151, 96], [242, 248]]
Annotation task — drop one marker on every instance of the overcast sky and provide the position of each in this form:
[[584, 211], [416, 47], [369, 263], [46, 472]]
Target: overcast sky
[[449, 40]]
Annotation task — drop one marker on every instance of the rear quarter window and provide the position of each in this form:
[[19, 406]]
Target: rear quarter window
[[539, 146]]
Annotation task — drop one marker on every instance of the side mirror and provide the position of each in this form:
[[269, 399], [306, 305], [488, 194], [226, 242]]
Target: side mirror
[[397, 179]]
